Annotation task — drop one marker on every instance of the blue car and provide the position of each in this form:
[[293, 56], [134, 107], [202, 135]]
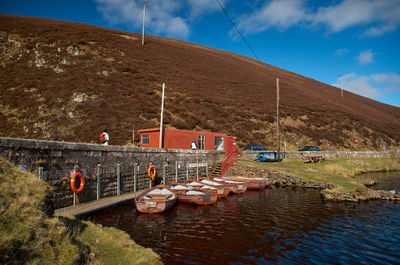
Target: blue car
[[254, 147]]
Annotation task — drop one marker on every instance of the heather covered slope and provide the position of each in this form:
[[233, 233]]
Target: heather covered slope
[[69, 81]]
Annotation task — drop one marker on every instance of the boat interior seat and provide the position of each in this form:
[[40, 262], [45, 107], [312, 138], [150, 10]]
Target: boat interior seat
[[194, 192], [160, 192]]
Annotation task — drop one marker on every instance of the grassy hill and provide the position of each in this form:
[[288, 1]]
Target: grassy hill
[[69, 81]]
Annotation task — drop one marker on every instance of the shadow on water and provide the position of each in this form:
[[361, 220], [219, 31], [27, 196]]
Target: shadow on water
[[268, 226]]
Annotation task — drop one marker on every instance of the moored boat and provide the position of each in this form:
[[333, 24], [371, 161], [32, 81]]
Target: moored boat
[[251, 183], [155, 200], [220, 191], [190, 194], [227, 188], [238, 186]]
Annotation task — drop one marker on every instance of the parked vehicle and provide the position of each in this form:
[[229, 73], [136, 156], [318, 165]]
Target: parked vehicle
[[270, 156], [310, 148], [254, 147]]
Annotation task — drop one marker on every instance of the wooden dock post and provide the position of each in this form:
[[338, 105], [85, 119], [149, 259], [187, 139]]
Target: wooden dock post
[[75, 170], [197, 170], [135, 176], [176, 171], [41, 173], [98, 180], [165, 174], [187, 170], [118, 179], [207, 168]]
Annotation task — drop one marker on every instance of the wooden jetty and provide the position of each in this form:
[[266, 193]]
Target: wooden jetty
[[92, 206]]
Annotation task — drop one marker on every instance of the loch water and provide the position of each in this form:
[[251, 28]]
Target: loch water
[[275, 225]]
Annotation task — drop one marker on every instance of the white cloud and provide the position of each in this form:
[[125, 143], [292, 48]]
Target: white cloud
[[372, 86], [366, 57], [200, 7], [162, 17], [342, 51], [377, 17], [281, 14]]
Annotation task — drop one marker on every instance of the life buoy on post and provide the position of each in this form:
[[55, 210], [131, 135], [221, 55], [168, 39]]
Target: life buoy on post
[[151, 172], [73, 188]]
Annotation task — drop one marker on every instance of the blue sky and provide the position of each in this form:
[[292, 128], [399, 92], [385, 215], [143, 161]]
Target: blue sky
[[349, 43]]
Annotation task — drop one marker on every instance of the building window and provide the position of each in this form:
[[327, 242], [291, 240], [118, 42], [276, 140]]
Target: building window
[[146, 139], [219, 143], [202, 142]]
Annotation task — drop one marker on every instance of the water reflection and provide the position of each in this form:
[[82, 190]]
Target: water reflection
[[384, 180], [269, 226]]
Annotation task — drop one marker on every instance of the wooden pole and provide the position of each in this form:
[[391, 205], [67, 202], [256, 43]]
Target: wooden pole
[[144, 20], [278, 133], [162, 113]]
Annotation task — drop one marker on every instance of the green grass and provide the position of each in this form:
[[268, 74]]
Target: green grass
[[29, 236], [341, 172]]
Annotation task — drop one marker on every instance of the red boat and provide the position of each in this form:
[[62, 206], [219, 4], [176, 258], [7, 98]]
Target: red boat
[[193, 195], [220, 191], [227, 188], [238, 186], [251, 183], [155, 200]]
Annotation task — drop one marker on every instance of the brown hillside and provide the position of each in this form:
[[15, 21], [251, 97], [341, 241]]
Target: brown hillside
[[69, 81]]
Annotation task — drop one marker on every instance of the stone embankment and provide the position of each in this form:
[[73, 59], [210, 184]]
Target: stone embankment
[[285, 180]]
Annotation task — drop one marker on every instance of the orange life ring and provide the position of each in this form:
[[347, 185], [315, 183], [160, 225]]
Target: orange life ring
[[151, 172], [77, 174]]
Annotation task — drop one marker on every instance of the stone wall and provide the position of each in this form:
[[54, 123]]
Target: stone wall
[[55, 162], [251, 155]]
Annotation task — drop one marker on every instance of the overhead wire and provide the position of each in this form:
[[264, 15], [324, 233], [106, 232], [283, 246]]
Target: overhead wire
[[240, 34]]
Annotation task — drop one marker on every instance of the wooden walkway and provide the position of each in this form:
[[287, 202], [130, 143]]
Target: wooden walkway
[[96, 205]]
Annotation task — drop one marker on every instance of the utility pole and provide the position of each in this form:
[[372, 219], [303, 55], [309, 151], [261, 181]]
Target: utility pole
[[162, 112], [341, 85], [144, 19], [278, 133]]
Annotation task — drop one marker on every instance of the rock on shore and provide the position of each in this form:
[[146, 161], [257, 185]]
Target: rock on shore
[[361, 195]]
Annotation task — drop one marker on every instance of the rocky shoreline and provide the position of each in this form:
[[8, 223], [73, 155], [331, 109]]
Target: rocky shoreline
[[286, 180]]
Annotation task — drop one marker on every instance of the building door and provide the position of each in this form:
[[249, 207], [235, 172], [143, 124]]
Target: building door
[[202, 140], [219, 143]]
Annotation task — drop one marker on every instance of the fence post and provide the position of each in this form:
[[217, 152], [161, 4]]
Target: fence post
[[118, 179], [150, 181], [176, 171], [197, 170], [75, 170], [41, 173], [135, 176], [207, 168], [99, 171], [165, 174], [187, 171]]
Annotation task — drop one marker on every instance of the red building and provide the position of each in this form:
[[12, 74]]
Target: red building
[[182, 139]]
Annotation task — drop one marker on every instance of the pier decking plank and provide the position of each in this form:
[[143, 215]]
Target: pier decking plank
[[96, 205]]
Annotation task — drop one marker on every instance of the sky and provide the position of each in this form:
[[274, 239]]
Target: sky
[[350, 44]]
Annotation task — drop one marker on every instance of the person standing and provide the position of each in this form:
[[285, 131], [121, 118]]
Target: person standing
[[193, 145], [104, 137]]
